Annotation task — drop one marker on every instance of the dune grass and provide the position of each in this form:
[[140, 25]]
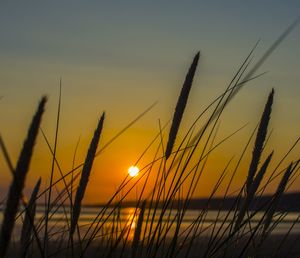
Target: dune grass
[[158, 225], [19, 177]]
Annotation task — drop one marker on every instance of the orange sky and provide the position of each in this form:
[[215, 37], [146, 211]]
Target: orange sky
[[125, 64]]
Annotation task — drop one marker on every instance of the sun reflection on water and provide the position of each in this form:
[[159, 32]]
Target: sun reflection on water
[[131, 221]]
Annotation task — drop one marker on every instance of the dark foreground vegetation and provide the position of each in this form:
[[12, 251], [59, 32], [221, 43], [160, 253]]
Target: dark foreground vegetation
[[175, 167]]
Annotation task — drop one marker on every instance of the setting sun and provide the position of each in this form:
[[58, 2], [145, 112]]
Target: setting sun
[[133, 171]]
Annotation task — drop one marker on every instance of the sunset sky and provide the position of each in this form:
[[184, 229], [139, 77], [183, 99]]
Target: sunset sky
[[122, 56]]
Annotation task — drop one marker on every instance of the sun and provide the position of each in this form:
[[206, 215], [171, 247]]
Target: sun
[[133, 171]]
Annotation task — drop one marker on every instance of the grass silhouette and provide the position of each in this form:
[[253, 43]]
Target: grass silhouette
[[156, 226]]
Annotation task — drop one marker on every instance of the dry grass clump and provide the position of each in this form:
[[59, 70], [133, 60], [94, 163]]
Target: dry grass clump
[[159, 225]]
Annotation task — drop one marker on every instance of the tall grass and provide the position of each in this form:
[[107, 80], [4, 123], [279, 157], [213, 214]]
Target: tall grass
[[28, 223], [85, 174], [20, 173], [159, 224], [181, 103], [259, 142]]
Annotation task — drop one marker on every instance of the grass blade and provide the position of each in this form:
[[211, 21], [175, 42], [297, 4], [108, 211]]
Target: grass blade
[[17, 185], [279, 192], [29, 221], [138, 230], [181, 103], [259, 142], [85, 175]]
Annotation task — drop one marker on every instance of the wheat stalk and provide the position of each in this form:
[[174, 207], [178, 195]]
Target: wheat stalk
[[86, 170], [181, 103], [259, 142], [277, 196], [17, 185], [249, 197]]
